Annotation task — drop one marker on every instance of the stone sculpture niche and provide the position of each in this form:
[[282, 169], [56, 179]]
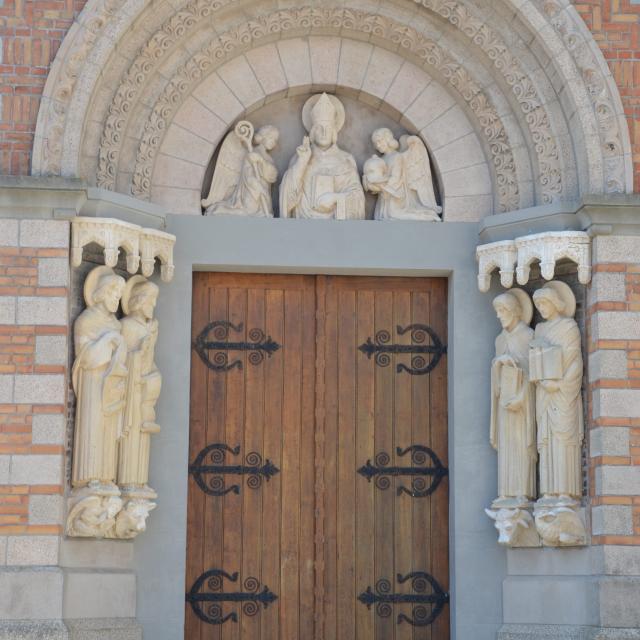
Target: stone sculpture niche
[[117, 384], [401, 178], [536, 411], [244, 174]]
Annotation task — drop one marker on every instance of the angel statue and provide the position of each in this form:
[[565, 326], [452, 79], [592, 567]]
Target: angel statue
[[244, 173], [401, 178]]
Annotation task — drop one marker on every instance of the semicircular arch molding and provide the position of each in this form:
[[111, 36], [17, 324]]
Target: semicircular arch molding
[[534, 104]]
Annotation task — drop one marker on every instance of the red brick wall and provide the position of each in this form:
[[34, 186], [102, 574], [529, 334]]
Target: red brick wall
[[615, 25], [31, 34]]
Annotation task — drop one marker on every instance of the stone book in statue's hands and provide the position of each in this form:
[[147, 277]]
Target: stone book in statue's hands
[[510, 383], [545, 362]]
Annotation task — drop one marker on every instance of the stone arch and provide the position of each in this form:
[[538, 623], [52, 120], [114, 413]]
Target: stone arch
[[457, 149], [533, 63]]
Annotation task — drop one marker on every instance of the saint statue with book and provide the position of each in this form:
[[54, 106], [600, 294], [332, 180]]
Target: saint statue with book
[[513, 432], [556, 368]]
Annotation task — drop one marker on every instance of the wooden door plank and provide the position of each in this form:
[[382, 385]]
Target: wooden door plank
[[197, 441], [384, 520], [235, 381], [402, 404], [365, 551], [345, 490], [329, 461], [290, 514], [253, 454], [307, 457], [421, 434], [271, 498]]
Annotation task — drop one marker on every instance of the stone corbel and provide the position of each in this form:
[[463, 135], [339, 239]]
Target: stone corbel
[[548, 248], [142, 246], [496, 255]]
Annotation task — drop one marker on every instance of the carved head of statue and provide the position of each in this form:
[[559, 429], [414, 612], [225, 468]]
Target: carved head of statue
[[555, 299], [384, 140], [512, 307], [140, 297], [323, 117], [103, 288], [267, 136]]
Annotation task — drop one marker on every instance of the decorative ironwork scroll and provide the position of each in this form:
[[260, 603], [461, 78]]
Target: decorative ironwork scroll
[[208, 469], [207, 605], [214, 339], [381, 471], [381, 350], [422, 616]]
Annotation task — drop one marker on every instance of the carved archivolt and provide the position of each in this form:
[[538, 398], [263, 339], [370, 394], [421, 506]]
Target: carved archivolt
[[204, 62], [105, 24], [142, 246], [548, 248]]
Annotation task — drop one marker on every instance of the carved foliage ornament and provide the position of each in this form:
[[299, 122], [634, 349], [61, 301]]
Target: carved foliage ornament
[[548, 248], [204, 62]]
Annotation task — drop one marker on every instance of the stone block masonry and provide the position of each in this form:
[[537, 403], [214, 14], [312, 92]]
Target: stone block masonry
[[613, 323], [34, 286]]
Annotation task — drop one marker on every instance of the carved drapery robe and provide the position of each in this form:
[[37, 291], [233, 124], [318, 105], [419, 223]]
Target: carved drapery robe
[[559, 413], [98, 378], [513, 432], [143, 389], [330, 170]]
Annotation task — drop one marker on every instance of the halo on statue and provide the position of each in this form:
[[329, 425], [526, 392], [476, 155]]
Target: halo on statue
[[563, 291], [92, 282], [128, 290], [311, 102], [526, 306]]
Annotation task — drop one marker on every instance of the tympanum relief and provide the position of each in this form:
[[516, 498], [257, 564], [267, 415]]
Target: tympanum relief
[[536, 414], [322, 180], [117, 384]]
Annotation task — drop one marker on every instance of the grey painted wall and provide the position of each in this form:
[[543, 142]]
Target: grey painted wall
[[478, 566]]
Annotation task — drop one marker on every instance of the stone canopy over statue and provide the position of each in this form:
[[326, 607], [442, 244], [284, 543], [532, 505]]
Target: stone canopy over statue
[[321, 181]]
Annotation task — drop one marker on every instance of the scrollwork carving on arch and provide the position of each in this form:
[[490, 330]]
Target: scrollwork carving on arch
[[75, 80], [406, 38]]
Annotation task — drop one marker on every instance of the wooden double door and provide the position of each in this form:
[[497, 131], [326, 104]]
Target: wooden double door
[[318, 488]]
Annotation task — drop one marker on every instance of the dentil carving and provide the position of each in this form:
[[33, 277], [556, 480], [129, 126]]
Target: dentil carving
[[322, 180], [513, 431], [117, 385], [244, 173], [401, 178]]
